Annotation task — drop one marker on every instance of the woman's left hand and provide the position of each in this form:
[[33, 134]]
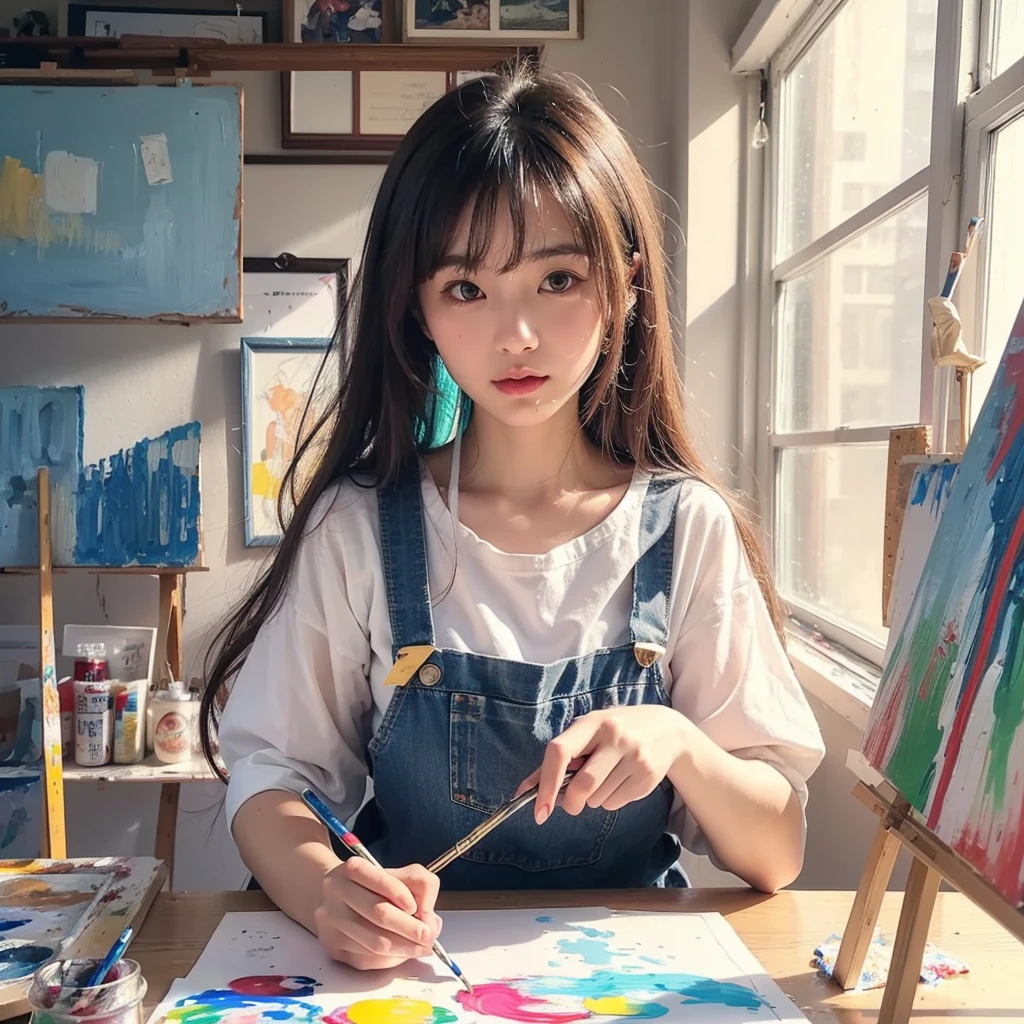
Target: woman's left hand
[[620, 755]]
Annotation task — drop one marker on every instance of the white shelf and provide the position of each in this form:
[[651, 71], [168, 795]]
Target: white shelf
[[149, 770]]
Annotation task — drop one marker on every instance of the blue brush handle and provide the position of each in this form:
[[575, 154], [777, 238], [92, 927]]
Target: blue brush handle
[[115, 954]]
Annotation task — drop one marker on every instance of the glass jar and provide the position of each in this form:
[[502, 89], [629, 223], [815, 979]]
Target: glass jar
[[59, 995]]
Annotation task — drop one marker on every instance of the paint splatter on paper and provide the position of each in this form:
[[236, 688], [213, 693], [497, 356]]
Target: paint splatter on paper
[[526, 979], [947, 725]]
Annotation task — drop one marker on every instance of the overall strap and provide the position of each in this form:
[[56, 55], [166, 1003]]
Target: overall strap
[[652, 575], [403, 550]]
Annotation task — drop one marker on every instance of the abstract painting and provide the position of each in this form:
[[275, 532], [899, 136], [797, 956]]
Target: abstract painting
[[71, 908], [140, 506], [121, 203], [547, 967], [947, 725], [499, 20], [278, 377]]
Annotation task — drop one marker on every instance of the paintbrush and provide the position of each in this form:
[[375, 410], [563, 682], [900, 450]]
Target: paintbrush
[[352, 843], [503, 813]]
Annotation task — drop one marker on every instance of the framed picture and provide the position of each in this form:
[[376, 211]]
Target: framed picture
[[503, 21], [291, 313], [361, 113], [230, 26], [337, 21]]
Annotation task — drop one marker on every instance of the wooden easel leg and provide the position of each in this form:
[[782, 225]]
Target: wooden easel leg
[[54, 838], [170, 625], [866, 904], [908, 948], [167, 827]]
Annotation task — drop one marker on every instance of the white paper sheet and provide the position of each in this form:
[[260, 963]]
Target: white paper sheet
[[534, 966], [70, 182]]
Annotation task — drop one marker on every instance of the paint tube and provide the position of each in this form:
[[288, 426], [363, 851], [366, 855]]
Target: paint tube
[[128, 734], [93, 723]]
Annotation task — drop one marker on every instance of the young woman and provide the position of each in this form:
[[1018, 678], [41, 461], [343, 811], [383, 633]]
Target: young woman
[[487, 583]]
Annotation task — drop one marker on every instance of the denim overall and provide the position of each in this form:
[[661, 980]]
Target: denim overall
[[461, 734]]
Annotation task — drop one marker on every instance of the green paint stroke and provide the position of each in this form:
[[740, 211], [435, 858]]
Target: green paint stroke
[[1008, 711], [911, 767]]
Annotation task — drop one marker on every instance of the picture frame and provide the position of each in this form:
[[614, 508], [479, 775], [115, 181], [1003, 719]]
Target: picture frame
[[498, 21], [364, 114], [291, 309], [106, 20], [277, 376], [362, 22]]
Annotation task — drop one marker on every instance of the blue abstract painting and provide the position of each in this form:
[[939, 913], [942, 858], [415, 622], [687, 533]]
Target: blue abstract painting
[[38, 427], [120, 202], [140, 506]]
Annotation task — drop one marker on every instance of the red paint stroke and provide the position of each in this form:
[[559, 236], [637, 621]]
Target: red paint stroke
[[878, 740], [499, 1000], [110, 896], [272, 985], [965, 705], [1004, 870]]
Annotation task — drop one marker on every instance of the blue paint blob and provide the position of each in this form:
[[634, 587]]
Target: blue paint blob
[[596, 933], [652, 960], [544, 919], [19, 961], [692, 988], [593, 951], [7, 926], [554, 963]]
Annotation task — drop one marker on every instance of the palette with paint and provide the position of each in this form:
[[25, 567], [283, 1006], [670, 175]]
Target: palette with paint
[[529, 967], [66, 909]]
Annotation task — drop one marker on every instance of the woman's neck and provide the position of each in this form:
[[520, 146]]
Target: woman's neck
[[532, 465]]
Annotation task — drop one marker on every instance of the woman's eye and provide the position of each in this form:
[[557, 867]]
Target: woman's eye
[[465, 291], [560, 281]]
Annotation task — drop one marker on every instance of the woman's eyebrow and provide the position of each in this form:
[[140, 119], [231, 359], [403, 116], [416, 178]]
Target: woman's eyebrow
[[547, 252]]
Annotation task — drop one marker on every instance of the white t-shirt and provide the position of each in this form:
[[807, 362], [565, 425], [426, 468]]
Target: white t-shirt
[[310, 695]]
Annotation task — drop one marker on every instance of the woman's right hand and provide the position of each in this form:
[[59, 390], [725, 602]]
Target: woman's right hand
[[370, 917]]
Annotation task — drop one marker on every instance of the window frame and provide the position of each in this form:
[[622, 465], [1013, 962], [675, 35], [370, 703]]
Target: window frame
[[957, 56]]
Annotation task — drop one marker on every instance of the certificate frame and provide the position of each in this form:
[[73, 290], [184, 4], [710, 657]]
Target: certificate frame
[[346, 125]]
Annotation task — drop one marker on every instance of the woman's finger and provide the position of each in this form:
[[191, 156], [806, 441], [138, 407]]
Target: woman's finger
[[375, 879], [558, 755], [614, 780], [589, 778]]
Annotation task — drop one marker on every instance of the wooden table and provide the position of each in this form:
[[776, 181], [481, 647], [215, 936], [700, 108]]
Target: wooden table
[[781, 930]]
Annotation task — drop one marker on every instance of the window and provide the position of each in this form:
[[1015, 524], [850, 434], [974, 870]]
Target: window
[[853, 146], [848, 286], [992, 286]]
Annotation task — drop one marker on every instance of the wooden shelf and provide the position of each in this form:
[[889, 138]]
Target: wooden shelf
[[149, 770], [110, 570], [200, 57]]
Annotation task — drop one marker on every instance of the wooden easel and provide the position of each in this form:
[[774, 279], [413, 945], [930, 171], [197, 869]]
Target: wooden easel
[[934, 862]]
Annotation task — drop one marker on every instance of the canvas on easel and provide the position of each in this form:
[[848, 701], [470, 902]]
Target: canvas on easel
[[946, 731]]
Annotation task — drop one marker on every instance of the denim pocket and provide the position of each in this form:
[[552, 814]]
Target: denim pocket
[[494, 745]]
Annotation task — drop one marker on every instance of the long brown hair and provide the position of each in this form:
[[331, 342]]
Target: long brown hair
[[496, 139]]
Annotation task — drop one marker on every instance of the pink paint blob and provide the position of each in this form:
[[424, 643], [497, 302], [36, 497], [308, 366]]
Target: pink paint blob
[[499, 1000]]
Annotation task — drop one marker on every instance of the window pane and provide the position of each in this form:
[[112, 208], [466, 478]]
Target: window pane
[[855, 117], [830, 512], [1008, 34], [850, 355], [1004, 287]]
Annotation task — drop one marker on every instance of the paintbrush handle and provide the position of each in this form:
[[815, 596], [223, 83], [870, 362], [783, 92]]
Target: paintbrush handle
[[502, 814]]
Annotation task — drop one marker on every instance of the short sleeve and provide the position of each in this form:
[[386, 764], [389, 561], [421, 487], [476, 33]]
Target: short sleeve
[[299, 711], [730, 673]]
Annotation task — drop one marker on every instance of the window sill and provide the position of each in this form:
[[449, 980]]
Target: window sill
[[839, 679]]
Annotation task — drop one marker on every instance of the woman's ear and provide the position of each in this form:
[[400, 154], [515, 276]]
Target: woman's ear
[[421, 320], [634, 269]]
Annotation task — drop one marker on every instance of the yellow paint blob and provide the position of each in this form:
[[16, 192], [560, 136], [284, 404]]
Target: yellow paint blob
[[612, 1006], [390, 1011]]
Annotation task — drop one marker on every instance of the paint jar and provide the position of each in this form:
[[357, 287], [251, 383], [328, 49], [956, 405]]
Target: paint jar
[[94, 722], [59, 995], [91, 663], [175, 724]]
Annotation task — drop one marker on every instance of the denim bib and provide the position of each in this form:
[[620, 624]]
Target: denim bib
[[465, 729]]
